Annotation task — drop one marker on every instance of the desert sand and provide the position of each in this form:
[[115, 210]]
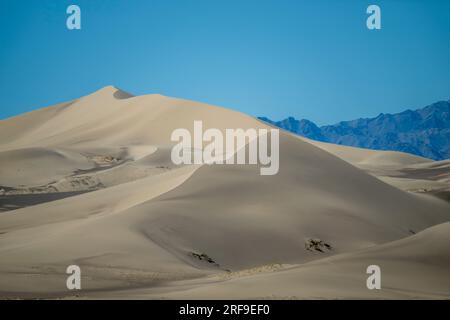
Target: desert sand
[[90, 182]]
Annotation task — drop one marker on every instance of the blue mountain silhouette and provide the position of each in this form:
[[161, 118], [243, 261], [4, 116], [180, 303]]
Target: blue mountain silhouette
[[424, 132]]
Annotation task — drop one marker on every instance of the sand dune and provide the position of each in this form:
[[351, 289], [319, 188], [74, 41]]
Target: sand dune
[[417, 269], [144, 227], [367, 157], [38, 166], [404, 171]]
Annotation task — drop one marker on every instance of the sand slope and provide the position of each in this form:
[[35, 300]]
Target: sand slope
[[145, 223], [412, 268]]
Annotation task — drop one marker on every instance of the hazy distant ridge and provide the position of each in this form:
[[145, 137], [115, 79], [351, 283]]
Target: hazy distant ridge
[[424, 132]]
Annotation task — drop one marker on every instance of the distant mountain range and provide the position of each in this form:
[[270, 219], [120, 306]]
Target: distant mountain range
[[424, 132]]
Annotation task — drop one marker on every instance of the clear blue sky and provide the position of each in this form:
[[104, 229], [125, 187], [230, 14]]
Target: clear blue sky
[[308, 59]]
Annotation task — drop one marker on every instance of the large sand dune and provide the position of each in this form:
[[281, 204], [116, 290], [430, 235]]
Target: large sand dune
[[141, 227]]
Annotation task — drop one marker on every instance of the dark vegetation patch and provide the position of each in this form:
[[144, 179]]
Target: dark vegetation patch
[[317, 245]]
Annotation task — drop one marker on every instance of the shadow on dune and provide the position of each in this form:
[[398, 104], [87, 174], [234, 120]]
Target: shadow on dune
[[122, 95], [18, 201]]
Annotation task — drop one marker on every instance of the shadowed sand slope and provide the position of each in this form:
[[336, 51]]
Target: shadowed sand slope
[[147, 223], [412, 268]]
